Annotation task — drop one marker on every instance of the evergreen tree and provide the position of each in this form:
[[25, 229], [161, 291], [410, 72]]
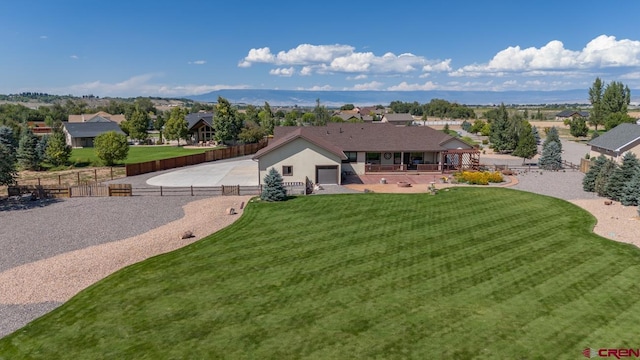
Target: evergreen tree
[[8, 139], [499, 130], [551, 158], [527, 147], [600, 186], [621, 176], [589, 179], [552, 135], [27, 154], [7, 166], [578, 127], [41, 148], [631, 191], [58, 152], [273, 187], [536, 134]]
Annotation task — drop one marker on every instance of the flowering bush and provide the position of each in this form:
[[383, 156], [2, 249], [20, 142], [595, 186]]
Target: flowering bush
[[479, 177]]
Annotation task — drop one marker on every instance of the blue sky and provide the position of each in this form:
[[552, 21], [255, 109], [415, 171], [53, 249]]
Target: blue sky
[[181, 48]]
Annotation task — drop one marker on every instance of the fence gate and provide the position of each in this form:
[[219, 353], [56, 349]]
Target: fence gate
[[89, 190], [230, 190]]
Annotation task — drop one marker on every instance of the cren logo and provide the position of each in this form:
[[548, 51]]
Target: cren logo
[[590, 353]]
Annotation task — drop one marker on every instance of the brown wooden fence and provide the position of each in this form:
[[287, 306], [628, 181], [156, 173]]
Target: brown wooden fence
[[209, 155]]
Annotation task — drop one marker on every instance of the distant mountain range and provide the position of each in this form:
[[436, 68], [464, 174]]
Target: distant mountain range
[[365, 98]]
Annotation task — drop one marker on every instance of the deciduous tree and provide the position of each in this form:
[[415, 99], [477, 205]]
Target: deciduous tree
[[58, 152], [139, 124], [176, 126], [589, 179], [526, 148], [226, 122], [595, 97], [111, 147], [578, 127]]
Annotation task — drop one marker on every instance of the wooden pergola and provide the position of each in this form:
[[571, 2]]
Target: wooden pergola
[[460, 159]]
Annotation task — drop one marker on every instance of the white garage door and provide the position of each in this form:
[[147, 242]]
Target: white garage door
[[327, 174]]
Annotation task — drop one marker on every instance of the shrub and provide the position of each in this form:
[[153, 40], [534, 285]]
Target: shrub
[[485, 142], [479, 177]]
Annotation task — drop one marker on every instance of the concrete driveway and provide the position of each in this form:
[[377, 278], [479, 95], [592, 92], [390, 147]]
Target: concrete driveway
[[238, 172]]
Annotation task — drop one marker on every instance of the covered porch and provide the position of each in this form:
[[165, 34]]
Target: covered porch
[[433, 161]]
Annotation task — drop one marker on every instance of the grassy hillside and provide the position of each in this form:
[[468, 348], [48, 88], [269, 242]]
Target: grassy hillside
[[486, 273]]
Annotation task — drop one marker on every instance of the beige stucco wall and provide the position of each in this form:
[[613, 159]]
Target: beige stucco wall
[[612, 155], [303, 156]]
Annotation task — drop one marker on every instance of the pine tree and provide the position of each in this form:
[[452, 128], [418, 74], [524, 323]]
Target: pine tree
[[589, 179], [27, 154], [273, 187], [536, 134], [8, 139], [600, 186], [551, 158], [631, 191], [621, 176], [7, 166], [552, 135], [41, 148]]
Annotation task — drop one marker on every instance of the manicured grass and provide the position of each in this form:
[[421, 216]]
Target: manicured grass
[[138, 153], [487, 273]]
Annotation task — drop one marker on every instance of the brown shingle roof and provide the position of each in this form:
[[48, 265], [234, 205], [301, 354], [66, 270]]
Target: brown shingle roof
[[382, 137], [304, 133]]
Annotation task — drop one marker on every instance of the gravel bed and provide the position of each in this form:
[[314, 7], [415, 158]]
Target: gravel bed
[[565, 185], [70, 224]]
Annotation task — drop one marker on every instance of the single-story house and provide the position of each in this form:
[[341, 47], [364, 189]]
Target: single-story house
[[83, 134], [88, 117], [200, 126], [324, 153], [398, 119], [570, 114], [616, 142]]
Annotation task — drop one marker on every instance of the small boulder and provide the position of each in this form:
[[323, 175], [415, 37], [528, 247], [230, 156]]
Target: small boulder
[[231, 211], [608, 202], [186, 235]]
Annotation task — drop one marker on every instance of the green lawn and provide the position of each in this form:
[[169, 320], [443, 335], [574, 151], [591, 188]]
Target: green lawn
[[138, 153], [485, 273]]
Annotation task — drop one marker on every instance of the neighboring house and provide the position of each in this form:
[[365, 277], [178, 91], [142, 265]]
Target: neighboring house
[[570, 114], [88, 117], [83, 134], [398, 119], [200, 126], [324, 153], [349, 117], [39, 128], [616, 142]]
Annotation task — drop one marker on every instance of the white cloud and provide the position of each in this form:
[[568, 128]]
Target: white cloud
[[329, 59], [285, 72], [74, 57], [141, 85], [404, 86], [317, 88], [373, 85], [197, 62], [601, 52], [438, 66], [357, 77], [44, 37]]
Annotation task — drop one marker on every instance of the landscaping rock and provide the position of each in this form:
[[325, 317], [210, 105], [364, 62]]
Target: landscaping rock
[[186, 235], [231, 211]]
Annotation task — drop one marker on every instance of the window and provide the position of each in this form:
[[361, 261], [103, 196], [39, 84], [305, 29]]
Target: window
[[287, 170], [352, 157], [373, 158]]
